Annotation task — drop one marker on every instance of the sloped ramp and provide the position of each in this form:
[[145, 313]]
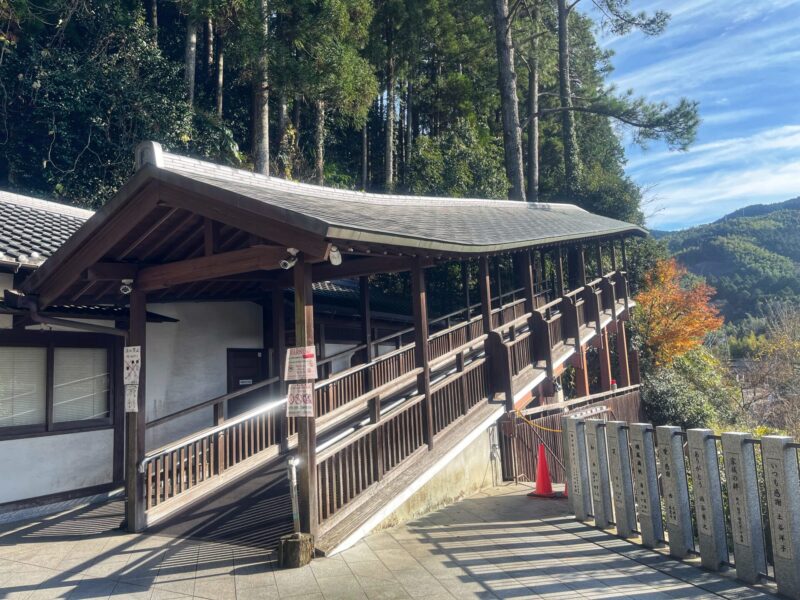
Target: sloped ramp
[[254, 510]]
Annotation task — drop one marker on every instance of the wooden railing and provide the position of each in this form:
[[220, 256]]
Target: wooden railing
[[347, 468], [461, 356]]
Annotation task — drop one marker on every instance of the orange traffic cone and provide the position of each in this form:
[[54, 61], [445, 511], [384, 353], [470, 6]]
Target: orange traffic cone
[[544, 486]]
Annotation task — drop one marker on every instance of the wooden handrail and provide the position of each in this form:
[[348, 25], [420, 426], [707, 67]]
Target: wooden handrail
[[212, 402], [537, 410]]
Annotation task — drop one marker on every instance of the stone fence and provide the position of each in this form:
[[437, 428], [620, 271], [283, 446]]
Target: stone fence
[[733, 499]]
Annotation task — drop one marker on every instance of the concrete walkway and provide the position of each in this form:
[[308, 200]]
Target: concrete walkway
[[499, 544]]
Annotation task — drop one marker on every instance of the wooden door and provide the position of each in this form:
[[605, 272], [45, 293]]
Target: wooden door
[[246, 366]]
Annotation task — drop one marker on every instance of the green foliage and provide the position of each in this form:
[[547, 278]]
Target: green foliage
[[690, 392], [461, 163], [750, 257]]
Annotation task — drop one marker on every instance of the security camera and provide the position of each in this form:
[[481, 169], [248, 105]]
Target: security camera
[[288, 262], [127, 287], [335, 256]]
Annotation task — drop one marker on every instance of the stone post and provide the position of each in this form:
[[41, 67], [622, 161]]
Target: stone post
[[648, 503], [707, 498], [783, 501], [675, 489], [745, 508], [579, 489], [567, 462], [598, 473], [619, 464]]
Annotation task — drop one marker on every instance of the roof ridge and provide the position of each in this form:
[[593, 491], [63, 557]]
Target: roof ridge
[[45, 205], [168, 159]]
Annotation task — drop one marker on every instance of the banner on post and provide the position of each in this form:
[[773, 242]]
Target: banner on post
[[300, 400], [301, 363]]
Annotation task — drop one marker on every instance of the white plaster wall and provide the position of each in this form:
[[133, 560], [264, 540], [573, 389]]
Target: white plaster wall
[[6, 283], [186, 362], [31, 467]]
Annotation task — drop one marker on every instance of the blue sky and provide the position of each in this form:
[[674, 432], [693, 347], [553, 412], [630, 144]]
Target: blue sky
[[741, 60]]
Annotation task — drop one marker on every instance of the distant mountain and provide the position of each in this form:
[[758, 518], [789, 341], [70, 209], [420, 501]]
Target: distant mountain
[[751, 256]]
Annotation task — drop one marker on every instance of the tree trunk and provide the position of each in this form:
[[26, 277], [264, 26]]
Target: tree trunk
[[283, 118], [512, 139], [154, 19], [364, 155], [190, 57], [209, 50], [220, 79], [569, 140], [261, 97], [409, 121], [319, 142], [388, 161], [533, 111]]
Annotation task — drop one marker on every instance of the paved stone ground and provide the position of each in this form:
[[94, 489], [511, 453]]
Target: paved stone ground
[[498, 544]]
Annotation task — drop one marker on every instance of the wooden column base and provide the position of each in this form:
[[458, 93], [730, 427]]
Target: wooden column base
[[581, 375], [295, 550], [605, 363]]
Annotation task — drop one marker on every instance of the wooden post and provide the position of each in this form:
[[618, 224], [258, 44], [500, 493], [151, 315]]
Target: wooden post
[[576, 267], [366, 325], [604, 353], [622, 355], [624, 255], [421, 349], [486, 294], [599, 258], [613, 255], [278, 356], [135, 422], [581, 374], [526, 267], [559, 259], [307, 429], [465, 285]]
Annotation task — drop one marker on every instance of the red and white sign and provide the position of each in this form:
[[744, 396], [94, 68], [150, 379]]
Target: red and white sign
[[300, 400], [301, 363]]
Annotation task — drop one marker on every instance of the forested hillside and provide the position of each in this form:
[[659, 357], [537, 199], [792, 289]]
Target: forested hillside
[[751, 256], [461, 97]]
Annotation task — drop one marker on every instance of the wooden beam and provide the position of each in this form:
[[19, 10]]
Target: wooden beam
[[135, 423], [624, 255], [559, 260], [210, 237], [604, 353], [526, 268], [356, 267], [105, 271], [599, 258], [421, 350], [622, 355], [366, 322], [255, 258], [485, 284], [465, 285], [307, 428], [313, 245], [278, 345], [581, 374]]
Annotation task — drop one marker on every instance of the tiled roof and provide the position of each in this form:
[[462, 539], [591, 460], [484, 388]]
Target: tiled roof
[[447, 224], [32, 229]]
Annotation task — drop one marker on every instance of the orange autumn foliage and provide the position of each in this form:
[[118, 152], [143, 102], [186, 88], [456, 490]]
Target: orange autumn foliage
[[674, 316]]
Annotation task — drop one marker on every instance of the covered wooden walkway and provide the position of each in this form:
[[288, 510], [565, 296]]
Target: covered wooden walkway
[[184, 230]]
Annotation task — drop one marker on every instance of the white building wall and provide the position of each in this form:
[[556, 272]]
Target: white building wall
[[186, 362], [38, 466]]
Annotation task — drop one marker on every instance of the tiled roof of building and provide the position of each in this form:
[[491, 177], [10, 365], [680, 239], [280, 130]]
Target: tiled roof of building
[[31, 229], [445, 224]]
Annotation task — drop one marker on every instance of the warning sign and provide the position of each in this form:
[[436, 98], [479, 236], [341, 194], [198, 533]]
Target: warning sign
[[301, 363], [131, 398], [300, 400], [133, 364]]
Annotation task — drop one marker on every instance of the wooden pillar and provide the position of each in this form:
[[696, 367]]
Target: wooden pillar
[[306, 426], [135, 421], [581, 374], [576, 267], [526, 270], [613, 255], [599, 258], [624, 254], [622, 355], [485, 285], [278, 346], [366, 318], [421, 350], [559, 259], [604, 353], [465, 285]]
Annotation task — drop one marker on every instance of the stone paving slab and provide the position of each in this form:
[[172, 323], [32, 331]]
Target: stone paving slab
[[497, 544]]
